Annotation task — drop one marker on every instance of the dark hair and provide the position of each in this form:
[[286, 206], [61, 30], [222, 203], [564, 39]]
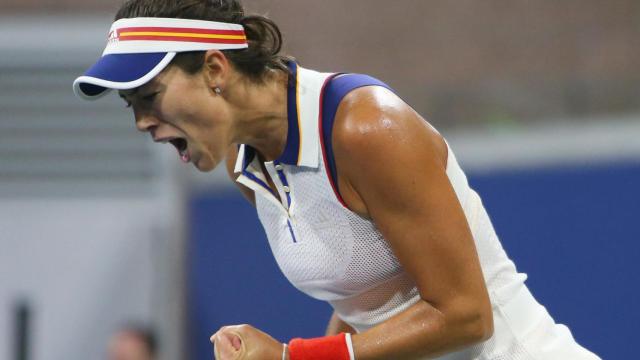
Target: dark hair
[[263, 35]]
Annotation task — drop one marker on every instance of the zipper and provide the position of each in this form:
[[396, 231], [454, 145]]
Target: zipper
[[293, 235], [259, 185]]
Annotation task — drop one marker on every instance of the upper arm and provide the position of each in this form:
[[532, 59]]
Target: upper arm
[[232, 156], [392, 166]]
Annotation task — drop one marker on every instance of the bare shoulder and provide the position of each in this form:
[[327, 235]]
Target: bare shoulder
[[373, 113], [376, 131], [230, 163]]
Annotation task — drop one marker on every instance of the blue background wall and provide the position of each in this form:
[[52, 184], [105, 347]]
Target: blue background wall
[[573, 230]]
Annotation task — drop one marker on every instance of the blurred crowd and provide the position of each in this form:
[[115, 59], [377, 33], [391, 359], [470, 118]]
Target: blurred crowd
[[133, 342], [459, 62]]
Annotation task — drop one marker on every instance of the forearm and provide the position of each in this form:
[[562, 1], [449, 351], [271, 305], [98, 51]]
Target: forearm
[[337, 326], [422, 331]]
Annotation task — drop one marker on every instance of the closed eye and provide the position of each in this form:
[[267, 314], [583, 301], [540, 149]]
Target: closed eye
[[145, 98], [150, 97]]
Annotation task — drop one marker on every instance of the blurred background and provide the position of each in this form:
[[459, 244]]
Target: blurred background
[[100, 228]]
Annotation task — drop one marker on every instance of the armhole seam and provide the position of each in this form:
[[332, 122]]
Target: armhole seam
[[325, 136], [326, 125]]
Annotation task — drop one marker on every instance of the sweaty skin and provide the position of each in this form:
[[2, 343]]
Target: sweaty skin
[[392, 169], [405, 191], [177, 104]]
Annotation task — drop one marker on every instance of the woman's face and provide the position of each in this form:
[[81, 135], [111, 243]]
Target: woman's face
[[182, 109]]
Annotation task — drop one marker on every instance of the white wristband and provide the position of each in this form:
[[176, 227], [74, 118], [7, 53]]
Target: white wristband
[[347, 337], [284, 351]]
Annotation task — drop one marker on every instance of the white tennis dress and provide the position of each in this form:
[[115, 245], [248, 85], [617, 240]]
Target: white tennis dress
[[332, 254]]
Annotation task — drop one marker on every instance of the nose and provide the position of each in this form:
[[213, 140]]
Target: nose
[[146, 122]]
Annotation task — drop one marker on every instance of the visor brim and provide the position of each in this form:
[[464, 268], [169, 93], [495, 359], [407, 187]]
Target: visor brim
[[120, 72]]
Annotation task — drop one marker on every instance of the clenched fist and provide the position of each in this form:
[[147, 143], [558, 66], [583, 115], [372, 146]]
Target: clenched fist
[[244, 342]]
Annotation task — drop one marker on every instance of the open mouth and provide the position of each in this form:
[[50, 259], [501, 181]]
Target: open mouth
[[182, 147]]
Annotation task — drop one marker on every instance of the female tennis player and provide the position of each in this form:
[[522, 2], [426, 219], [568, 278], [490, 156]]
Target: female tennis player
[[363, 202]]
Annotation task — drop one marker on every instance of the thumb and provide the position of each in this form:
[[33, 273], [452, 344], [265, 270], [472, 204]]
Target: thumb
[[228, 345]]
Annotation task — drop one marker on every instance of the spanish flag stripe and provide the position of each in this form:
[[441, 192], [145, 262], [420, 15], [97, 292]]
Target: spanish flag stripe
[[181, 30], [183, 38], [177, 34]]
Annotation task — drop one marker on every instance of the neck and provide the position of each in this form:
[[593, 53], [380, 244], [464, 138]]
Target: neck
[[261, 115]]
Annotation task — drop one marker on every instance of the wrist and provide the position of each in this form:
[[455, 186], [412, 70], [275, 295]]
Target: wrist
[[337, 347]]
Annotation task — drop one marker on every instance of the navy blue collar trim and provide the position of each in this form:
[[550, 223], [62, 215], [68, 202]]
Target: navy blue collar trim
[[291, 153], [292, 147], [249, 154]]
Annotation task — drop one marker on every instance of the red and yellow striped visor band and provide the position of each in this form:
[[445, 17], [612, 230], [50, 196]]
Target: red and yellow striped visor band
[[182, 34], [145, 35]]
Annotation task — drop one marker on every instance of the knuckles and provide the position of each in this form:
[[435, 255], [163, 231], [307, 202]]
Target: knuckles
[[241, 329]]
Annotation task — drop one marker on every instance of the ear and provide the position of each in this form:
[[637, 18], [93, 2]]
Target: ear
[[216, 69]]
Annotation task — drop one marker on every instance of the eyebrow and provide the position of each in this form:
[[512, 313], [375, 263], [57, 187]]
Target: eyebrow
[[131, 92]]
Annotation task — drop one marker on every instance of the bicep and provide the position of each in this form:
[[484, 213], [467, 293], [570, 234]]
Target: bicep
[[419, 215], [394, 161]]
